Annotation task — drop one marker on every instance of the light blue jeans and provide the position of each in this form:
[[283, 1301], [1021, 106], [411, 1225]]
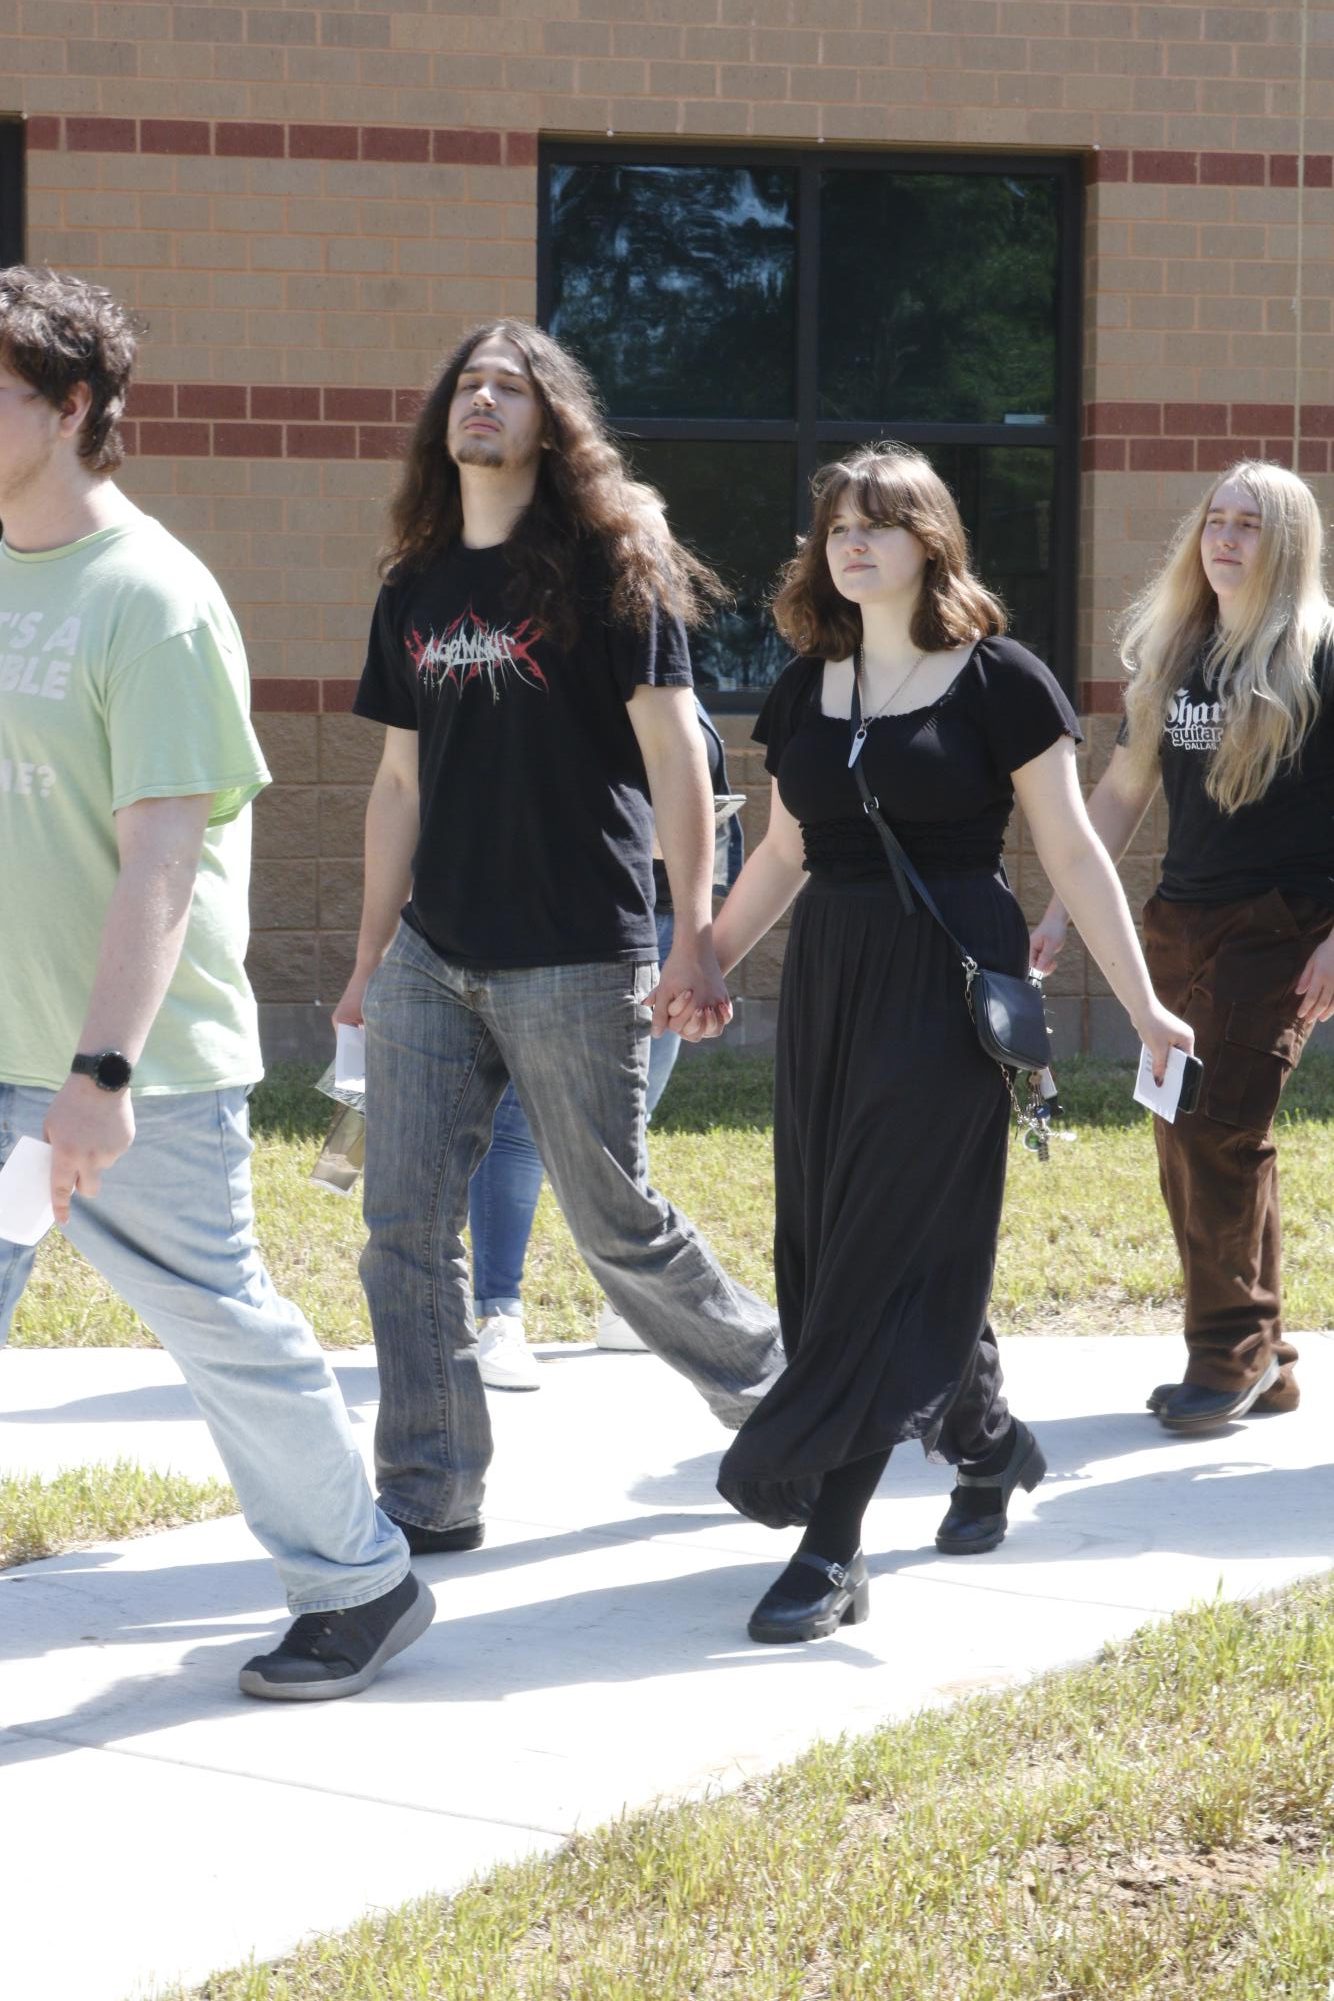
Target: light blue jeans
[[172, 1230], [505, 1188], [441, 1042]]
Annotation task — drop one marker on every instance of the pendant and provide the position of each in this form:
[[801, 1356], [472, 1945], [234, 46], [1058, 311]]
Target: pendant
[[858, 740]]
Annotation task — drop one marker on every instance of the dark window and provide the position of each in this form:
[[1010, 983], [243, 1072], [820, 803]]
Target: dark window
[[750, 316], [911, 334], [11, 191], [677, 286]]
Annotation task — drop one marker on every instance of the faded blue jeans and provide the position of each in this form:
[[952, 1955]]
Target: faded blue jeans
[[172, 1230], [505, 1188], [441, 1042]]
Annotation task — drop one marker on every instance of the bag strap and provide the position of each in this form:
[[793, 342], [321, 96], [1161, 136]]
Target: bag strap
[[900, 866]]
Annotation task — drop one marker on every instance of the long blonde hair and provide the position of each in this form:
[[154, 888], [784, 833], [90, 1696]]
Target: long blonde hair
[[1261, 666], [893, 486]]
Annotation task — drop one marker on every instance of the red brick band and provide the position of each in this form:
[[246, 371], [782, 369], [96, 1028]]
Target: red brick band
[[1203, 437], [1213, 170], [256, 421], [279, 420], [250, 140], [300, 697]]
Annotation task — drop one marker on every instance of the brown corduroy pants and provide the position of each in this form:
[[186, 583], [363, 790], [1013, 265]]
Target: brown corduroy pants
[[1231, 971]]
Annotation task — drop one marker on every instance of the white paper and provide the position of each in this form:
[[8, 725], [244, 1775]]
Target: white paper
[[1161, 1098], [25, 1192], [350, 1058]]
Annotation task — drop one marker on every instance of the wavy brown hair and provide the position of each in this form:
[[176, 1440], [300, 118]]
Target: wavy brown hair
[[890, 486], [57, 331], [585, 501]]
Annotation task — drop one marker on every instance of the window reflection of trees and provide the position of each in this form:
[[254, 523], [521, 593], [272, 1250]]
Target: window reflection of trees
[[732, 502], [676, 286], [933, 305], [937, 297]]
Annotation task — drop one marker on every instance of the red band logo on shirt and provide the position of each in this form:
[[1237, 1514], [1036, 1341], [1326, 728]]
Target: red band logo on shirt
[[471, 650]]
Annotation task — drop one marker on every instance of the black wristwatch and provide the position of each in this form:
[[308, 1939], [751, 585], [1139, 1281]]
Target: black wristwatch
[[109, 1070]]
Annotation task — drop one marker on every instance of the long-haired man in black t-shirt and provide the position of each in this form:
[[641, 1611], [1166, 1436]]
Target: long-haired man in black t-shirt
[[528, 656]]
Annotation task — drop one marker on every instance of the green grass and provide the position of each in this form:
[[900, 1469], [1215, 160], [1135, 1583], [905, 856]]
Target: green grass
[[1154, 1827], [1085, 1243], [91, 1504]]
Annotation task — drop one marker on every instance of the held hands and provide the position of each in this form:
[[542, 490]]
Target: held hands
[[1048, 936], [690, 998], [87, 1129], [1317, 984]]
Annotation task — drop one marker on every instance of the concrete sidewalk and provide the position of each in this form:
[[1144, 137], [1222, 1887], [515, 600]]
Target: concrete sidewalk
[[592, 1656]]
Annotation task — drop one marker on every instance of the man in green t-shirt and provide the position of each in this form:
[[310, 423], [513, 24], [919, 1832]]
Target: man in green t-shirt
[[128, 1037]]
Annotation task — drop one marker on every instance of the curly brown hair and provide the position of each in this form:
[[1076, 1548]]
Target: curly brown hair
[[56, 331], [585, 501], [892, 486]]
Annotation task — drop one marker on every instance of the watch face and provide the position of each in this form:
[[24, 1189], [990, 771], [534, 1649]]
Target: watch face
[[112, 1072]]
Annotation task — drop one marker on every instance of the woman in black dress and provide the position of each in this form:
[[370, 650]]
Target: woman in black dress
[[890, 1124]]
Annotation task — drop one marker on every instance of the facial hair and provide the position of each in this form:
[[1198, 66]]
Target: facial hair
[[475, 451]]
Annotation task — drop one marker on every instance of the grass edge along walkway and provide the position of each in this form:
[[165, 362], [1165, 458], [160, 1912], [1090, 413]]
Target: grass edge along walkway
[[1154, 1825], [81, 1505]]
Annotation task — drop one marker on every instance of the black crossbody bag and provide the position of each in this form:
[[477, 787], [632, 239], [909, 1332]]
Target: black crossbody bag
[[1007, 1011]]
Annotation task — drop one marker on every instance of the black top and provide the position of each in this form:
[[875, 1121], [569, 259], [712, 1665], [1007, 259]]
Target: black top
[[941, 773], [536, 828], [1283, 841]]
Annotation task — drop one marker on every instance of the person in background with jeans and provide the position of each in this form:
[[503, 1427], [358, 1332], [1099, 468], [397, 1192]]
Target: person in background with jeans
[[528, 657], [128, 1038], [505, 1188], [1230, 708]]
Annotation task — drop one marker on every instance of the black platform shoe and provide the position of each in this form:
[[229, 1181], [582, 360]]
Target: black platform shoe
[[844, 1601], [971, 1526]]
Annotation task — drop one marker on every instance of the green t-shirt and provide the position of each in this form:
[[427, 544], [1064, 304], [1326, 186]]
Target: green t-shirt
[[122, 677]]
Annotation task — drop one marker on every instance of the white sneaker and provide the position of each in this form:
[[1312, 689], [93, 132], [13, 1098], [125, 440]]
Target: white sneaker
[[504, 1358], [613, 1332]]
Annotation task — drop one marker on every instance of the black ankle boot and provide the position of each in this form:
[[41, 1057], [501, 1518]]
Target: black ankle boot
[[840, 1595], [976, 1519]]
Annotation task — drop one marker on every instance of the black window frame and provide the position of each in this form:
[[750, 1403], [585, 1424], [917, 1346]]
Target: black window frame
[[13, 201], [815, 437]]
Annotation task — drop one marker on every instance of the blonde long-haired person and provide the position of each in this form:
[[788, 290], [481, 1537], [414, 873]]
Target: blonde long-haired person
[[1230, 707], [890, 1124]]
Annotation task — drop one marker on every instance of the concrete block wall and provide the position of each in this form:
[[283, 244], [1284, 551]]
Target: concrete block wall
[[308, 204]]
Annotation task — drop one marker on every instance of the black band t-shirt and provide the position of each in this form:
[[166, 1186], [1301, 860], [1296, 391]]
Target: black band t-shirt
[[536, 827], [1283, 841]]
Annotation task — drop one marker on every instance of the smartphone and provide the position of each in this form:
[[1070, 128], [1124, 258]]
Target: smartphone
[[1192, 1078]]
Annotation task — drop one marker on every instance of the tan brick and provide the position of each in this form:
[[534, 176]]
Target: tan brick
[[337, 958], [343, 821], [283, 896], [287, 822], [349, 750], [282, 965], [339, 895]]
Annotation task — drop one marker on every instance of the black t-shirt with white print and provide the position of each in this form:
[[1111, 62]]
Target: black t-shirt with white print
[[536, 828], [1283, 841]]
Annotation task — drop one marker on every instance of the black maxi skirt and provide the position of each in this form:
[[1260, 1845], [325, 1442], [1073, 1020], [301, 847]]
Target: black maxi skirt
[[890, 1140]]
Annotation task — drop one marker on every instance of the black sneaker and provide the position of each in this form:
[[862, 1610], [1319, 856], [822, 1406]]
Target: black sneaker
[[326, 1654], [438, 1542]]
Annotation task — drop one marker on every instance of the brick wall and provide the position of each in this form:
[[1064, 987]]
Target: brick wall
[[309, 204]]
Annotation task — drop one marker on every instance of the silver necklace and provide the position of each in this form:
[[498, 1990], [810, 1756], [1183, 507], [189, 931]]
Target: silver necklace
[[859, 733]]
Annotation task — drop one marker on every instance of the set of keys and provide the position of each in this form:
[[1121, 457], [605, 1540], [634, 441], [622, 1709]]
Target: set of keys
[[1036, 1119]]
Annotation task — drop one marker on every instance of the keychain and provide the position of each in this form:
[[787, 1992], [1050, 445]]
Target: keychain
[[1035, 1119]]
